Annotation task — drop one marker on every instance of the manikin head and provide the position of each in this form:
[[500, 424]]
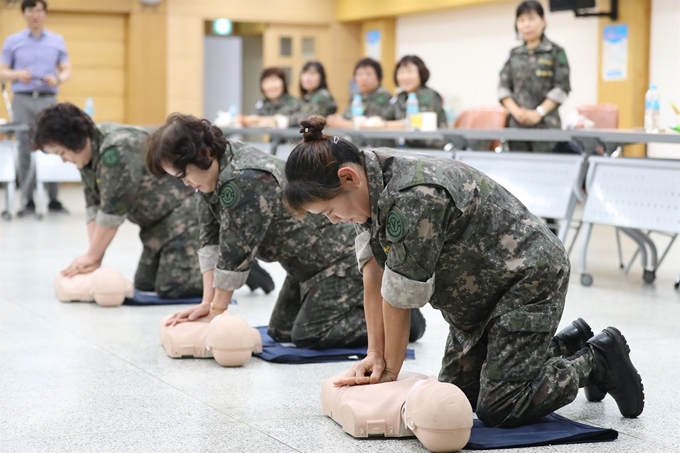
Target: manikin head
[[439, 414], [231, 340], [106, 286]]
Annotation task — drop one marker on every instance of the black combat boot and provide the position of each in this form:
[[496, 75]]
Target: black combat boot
[[259, 278], [614, 373], [417, 325], [574, 337]]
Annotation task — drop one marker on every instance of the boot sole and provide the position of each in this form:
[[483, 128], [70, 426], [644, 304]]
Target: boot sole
[[618, 338]]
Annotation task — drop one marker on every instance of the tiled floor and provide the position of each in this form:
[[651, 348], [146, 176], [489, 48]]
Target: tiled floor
[[81, 378]]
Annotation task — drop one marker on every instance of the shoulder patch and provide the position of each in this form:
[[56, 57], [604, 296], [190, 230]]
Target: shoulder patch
[[396, 227], [110, 157], [561, 56], [229, 195]]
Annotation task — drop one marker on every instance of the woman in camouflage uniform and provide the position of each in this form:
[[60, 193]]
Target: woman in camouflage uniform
[[411, 76], [374, 97], [534, 81], [315, 99], [118, 186], [276, 100], [436, 230], [242, 217]]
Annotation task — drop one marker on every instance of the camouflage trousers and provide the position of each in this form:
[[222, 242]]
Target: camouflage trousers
[[326, 312], [171, 270], [516, 374]]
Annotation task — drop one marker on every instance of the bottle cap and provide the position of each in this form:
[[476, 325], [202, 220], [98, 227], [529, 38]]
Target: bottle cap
[[652, 86]]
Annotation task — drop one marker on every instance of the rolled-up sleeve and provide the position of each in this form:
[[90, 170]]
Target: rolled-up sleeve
[[207, 257], [562, 86], [91, 213], [402, 292], [409, 277], [244, 224], [109, 220], [362, 247]]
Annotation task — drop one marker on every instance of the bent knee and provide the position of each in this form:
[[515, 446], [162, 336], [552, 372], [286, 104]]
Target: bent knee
[[491, 415]]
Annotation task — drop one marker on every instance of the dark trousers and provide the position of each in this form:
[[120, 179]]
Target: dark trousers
[[26, 108]]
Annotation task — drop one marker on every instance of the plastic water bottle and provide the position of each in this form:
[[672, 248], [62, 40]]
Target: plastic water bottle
[[652, 107], [357, 110], [357, 106], [412, 108], [233, 113], [89, 107]]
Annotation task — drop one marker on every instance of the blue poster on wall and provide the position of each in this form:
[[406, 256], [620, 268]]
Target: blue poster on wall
[[615, 52], [373, 44]]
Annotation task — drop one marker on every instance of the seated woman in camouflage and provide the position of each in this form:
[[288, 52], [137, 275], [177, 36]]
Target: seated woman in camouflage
[[315, 99], [242, 217], [118, 186], [411, 76], [435, 230], [276, 101], [375, 99]]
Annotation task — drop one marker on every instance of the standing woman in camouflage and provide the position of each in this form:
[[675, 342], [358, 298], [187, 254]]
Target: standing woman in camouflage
[[276, 100], [315, 97], [436, 230], [242, 217], [535, 80]]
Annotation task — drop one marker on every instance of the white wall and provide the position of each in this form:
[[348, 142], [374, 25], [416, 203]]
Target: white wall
[[222, 74], [664, 67], [465, 49], [252, 67]]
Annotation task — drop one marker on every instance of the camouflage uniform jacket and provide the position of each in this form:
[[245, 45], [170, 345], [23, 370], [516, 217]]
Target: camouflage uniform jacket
[[428, 101], [244, 217], [320, 102], [286, 105], [376, 103], [531, 76], [447, 234], [119, 186]]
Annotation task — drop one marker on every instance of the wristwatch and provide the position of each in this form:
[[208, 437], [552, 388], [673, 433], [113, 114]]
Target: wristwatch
[[540, 110], [217, 310]]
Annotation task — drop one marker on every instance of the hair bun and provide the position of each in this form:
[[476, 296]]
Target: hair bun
[[312, 128]]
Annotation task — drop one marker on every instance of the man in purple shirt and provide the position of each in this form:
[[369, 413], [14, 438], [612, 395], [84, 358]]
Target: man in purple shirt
[[36, 62]]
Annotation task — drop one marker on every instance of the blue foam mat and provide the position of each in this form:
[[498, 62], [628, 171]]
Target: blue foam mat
[[552, 429], [273, 351], [151, 298]]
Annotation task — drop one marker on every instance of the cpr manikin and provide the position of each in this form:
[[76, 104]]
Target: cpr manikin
[[105, 286], [225, 337], [437, 413]]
